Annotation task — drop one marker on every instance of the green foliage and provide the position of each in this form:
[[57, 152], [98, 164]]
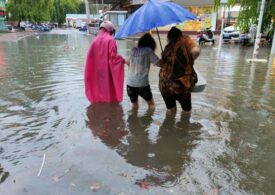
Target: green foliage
[[249, 13], [42, 10], [63, 7], [32, 10], [82, 8], [18, 9]]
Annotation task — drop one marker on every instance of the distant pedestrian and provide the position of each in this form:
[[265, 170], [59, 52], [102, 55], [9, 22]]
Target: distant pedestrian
[[177, 75], [104, 70], [139, 65], [22, 25]]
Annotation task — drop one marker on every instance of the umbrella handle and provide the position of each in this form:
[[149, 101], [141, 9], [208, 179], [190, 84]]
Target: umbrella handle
[[159, 40]]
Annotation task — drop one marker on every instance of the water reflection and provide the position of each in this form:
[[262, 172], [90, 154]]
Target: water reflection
[[3, 174], [2, 62], [165, 158], [106, 122], [227, 144], [38, 78]]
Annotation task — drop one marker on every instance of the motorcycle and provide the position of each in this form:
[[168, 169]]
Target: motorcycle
[[249, 36], [204, 38], [245, 39]]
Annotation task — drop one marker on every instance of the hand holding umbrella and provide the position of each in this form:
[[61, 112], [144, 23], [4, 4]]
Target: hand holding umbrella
[[152, 15]]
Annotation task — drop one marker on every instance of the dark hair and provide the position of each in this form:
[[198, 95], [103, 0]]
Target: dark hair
[[174, 34], [147, 41]]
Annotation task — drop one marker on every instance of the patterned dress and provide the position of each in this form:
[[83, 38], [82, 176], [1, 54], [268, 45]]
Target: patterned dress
[[177, 68]]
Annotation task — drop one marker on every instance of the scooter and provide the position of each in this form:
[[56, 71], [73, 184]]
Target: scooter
[[204, 38]]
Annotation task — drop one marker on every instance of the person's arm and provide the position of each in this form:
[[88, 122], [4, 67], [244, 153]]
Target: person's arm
[[115, 58], [195, 52], [127, 61], [154, 59], [192, 46]]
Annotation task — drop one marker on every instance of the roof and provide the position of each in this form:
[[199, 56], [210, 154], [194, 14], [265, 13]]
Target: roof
[[184, 3]]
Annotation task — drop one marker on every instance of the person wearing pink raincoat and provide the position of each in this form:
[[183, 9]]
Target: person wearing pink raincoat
[[104, 69]]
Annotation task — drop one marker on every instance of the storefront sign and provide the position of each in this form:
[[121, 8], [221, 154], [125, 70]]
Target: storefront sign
[[138, 2]]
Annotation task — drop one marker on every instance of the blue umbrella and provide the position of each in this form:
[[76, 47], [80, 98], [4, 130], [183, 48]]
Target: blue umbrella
[[152, 15]]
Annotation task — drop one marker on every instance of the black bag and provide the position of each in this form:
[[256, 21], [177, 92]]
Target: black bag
[[182, 63]]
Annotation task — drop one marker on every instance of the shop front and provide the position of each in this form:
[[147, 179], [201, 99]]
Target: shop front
[[206, 18], [2, 15]]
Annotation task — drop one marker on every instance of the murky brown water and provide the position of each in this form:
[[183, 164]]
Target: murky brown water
[[225, 146]]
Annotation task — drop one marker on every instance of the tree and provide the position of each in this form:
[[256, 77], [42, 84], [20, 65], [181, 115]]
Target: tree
[[32, 10], [42, 10], [249, 13], [63, 7], [82, 8]]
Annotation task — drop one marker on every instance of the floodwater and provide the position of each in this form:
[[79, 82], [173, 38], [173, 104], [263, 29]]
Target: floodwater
[[53, 142]]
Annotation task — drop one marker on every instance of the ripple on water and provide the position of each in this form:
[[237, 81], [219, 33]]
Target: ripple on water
[[224, 179], [40, 86], [165, 179], [159, 178]]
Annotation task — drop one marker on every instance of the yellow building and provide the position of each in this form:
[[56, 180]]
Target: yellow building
[[204, 11]]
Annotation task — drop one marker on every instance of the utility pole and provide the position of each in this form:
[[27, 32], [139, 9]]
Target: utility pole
[[223, 3], [97, 8], [258, 36], [87, 10], [272, 52], [88, 15]]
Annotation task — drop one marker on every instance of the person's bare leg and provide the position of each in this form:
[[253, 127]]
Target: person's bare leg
[[151, 105], [171, 111], [186, 112], [135, 105]]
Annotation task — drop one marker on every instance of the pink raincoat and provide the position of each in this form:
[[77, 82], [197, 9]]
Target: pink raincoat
[[104, 71]]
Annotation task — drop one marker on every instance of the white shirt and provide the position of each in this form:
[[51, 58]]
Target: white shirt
[[22, 24], [140, 60]]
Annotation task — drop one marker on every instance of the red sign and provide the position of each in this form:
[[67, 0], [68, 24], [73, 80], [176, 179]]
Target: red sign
[[2, 13]]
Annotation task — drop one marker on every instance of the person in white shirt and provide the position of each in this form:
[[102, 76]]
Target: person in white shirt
[[139, 65], [23, 25]]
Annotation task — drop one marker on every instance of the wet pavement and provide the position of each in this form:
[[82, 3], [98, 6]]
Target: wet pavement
[[54, 142], [15, 36]]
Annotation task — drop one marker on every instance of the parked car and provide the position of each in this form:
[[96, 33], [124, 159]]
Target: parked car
[[9, 27], [83, 28], [41, 27], [94, 27], [231, 33], [79, 24]]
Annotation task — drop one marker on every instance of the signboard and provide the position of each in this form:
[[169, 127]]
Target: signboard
[[2, 3], [138, 2], [2, 14], [223, 2]]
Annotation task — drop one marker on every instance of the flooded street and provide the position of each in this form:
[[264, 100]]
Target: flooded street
[[53, 142]]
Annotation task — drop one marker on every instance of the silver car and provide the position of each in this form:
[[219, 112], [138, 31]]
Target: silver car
[[231, 33]]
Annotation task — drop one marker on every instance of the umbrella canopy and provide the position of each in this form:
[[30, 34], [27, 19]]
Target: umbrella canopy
[[154, 14]]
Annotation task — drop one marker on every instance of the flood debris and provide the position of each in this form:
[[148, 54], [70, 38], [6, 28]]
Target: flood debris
[[96, 186], [214, 191], [56, 178], [123, 175], [142, 184], [42, 165]]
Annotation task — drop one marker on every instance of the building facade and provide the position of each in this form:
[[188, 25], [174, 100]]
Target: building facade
[[207, 17], [2, 14]]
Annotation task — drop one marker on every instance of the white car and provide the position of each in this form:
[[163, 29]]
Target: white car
[[231, 33]]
